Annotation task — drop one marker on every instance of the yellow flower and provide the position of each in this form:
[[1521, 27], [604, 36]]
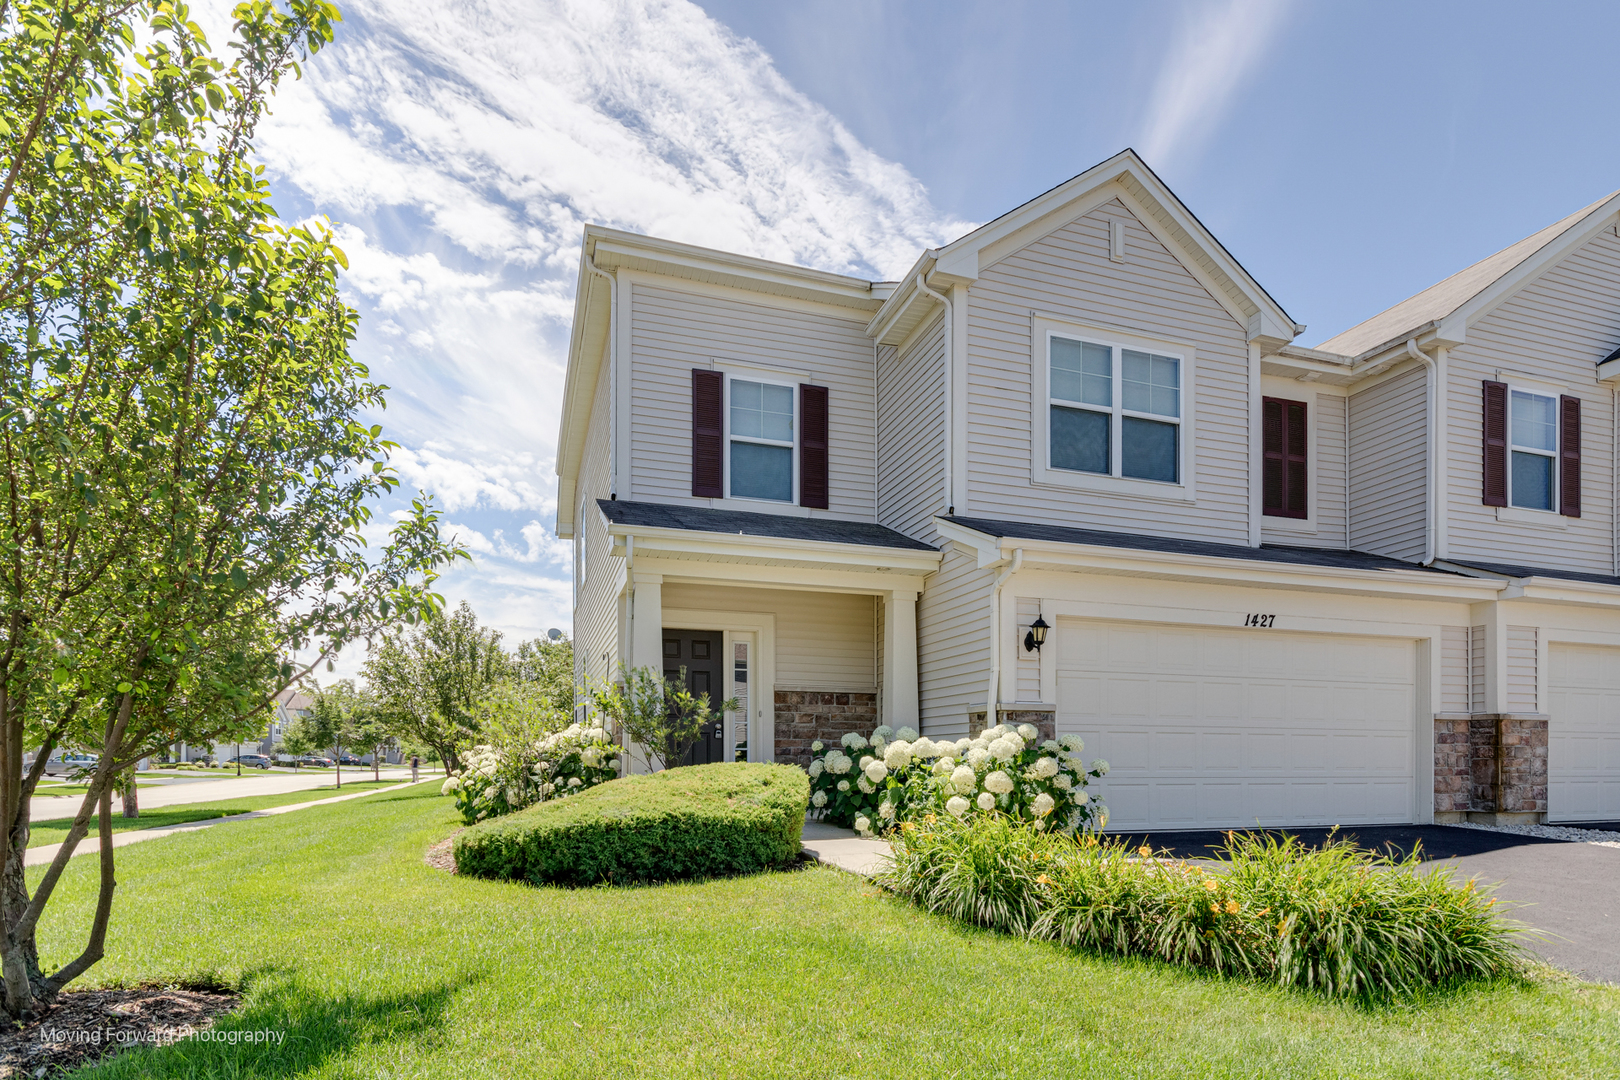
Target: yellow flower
[[1216, 908], [1231, 907], [1145, 851], [1211, 884], [1044, 880]]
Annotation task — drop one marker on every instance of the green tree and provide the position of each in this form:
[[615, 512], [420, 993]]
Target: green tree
[[428, 679], [548, 664], [188, 485], [662, 715], [346, 716]]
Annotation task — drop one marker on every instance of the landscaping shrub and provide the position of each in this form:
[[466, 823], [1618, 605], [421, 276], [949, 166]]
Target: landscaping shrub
[[1334, 918], [872, 783], [697, 821], [499, 780]]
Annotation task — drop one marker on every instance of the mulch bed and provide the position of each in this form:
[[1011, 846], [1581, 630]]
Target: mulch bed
[[85, 1025], [440, 857]]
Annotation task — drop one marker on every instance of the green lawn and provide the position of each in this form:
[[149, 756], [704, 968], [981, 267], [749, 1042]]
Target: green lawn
[[55, 830], [376, 965]]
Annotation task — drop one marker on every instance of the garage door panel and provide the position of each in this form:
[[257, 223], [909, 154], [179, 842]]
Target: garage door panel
[[1583, 733], [1215, 728]]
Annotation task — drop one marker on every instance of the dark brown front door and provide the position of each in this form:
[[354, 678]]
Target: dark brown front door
[[699, 652]]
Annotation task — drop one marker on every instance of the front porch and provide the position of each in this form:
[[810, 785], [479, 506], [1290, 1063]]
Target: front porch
[[815, 620]]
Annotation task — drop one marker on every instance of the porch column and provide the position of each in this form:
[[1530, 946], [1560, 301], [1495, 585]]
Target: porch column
[[647, 621], [900, 659]]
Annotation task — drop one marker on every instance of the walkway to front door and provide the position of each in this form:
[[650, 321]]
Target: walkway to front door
[[700, 652]]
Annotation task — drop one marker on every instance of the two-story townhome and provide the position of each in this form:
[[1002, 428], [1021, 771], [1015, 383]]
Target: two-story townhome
[[1071, 469]]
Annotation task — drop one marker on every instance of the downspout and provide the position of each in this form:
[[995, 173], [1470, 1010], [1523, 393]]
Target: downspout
[[950, 398], [630, 596], [993, 690], [1614, 475], [1430, 451], [613, 374], [877, 441]]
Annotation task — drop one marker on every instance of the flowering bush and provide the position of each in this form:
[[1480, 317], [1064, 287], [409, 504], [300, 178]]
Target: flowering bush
[[497, 781], [873, 783]]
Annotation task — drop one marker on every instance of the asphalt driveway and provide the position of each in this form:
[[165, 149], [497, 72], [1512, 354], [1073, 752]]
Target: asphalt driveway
[[1568, 890]]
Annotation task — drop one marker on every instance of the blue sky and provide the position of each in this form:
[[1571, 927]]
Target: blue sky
[[1348, 154]]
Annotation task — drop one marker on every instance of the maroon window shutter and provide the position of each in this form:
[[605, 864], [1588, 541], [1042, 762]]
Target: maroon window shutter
[[708, 434], [813, 447], [1285, 474], [1569, 456], [1495, 460]]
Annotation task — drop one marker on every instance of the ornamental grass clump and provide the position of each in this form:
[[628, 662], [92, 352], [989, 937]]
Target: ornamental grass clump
[[1335, 918], [873, 783]]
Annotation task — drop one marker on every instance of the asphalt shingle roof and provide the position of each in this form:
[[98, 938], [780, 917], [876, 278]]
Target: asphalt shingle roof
[[776, 526]]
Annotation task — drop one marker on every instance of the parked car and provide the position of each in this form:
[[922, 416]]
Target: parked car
[[251, 761], [349, 759], [70, 762], [315, 761]]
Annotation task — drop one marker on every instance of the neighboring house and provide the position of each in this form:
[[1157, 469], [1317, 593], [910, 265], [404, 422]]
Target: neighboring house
[[1370, 582]]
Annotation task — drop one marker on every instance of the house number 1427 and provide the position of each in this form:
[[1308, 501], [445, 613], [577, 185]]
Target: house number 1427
[[1259, 620]]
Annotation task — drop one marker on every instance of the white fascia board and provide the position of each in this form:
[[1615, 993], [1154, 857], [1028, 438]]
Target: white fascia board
[[587, 338], [737, 271], [1454, 327], [904, 294], [771, 576], [1211, 569], [678, 542], [1609, 370]]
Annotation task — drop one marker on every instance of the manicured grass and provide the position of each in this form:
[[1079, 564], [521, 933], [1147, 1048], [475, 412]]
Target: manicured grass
[[375, 964], [55, 830]]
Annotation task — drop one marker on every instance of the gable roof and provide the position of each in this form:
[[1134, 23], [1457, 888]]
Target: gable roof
[[1477, 289], [1124, 176]]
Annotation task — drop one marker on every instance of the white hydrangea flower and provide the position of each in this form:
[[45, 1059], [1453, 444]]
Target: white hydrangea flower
[[1043, 804], [942, 767], [961, 748], [956, 805], [818, 800], [838, 764], [816, 768], [866, 786], [1040, 825], [875, 771], [1073, 743], [573, 781], [977, 756], [863, 824], [1062, 783], [886, 810], [925, 748], [843, 785], [897, 755], [998, 782], [1051, 746], [964, 780], [866, 759], [884, 732], [1100, 767], [1081, 796], [1028, 732], [986, 801], [1045, 768], [906, 734], [450, 786], [817, 746], [1005, 749], [853, 741]]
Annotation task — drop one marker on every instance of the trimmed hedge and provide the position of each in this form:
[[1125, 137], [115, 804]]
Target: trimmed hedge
[[696, 821]]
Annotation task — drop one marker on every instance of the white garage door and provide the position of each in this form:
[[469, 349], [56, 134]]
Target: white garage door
[[1583, 734], [1216, 728]]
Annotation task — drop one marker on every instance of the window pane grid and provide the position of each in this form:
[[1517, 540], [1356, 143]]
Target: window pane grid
[[1133, 433], [1533, 439], [761, 440]]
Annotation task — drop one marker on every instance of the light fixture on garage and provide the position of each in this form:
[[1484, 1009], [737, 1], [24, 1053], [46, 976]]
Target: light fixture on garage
[[1036, 636]]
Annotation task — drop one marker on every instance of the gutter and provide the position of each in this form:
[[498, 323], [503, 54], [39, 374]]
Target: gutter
[[950, 399], [613, 373], [1431, 457], [992, 692]]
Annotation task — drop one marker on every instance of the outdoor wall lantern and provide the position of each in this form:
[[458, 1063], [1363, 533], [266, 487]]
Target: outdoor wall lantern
[[1036, 636]]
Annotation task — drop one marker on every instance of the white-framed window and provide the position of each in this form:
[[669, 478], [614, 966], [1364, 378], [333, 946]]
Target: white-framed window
[[1532, 449], [1114, 410], [761, 439]]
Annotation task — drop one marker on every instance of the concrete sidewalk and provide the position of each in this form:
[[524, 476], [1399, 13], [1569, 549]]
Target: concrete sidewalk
[[844, 848], [178, 790], [91, 844]]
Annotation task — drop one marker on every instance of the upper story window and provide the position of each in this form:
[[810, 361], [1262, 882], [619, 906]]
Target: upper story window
[[761, 440], [1114, 411], [1533, 435]]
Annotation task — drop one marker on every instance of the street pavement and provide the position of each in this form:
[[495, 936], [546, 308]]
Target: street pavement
[[180, 788]]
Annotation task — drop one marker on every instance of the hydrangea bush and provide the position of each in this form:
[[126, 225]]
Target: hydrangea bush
[[871, 783], [498, 781]]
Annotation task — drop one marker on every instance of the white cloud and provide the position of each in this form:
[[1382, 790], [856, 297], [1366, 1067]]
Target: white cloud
[[1217, 47]]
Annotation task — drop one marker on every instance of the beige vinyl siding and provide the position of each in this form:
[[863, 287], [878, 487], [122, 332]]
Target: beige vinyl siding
[[1521, 669], [674, 331], [1028, 664], [1068, 275], [911, 432], [953, 642], [1555, 330], [823, 640], [1387, 467], [1328, 414], [596, 606], [1454, 673], [1476, 669]]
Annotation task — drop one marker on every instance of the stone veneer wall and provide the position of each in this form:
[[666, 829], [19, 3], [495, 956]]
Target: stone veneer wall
[[1045, 721], [1453, 767], [1491, 767], [803, 716]]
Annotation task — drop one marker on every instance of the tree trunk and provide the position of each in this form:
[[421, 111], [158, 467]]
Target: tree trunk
[[132, 804], [376, 763]]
